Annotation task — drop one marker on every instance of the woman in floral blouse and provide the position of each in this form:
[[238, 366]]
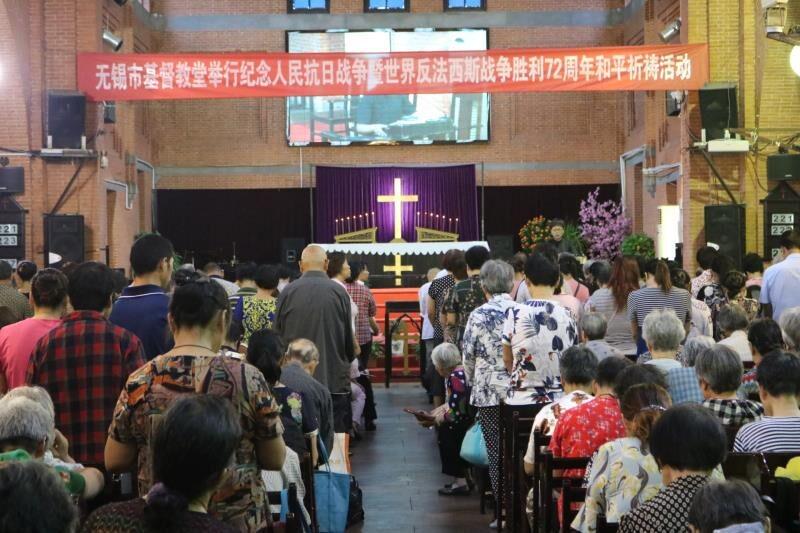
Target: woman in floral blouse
[[452, 418], [622, 473], [534, 336], [483, 359], [257, 312]]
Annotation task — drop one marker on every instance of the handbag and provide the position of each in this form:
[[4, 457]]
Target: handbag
[[332, 491], [355, 512], [473, 447]]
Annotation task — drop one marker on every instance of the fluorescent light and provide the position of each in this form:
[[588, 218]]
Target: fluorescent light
[[794, 60]]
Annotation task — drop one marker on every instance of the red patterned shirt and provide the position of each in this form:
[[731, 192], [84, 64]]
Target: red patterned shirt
[[362, 297], [586, 427], [84, 363]]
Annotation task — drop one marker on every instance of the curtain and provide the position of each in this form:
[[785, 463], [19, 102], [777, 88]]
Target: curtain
[[450, 192]]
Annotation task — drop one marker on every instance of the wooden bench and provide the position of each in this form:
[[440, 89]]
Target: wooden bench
[[571, 493], [540, 443], [552, 481], [516, 422]]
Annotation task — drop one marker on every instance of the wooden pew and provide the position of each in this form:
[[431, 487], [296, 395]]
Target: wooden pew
[[553, 481], [540, 443], [516, 422], [310, 499], [572, 494]]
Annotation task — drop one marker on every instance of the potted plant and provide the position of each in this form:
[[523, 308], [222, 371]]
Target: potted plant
[[639, 244]]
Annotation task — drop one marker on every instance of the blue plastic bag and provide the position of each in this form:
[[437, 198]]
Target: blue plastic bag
[[473, 447], [332, 491]]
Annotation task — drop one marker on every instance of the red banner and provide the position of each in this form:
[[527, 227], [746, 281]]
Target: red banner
[[248, 75]]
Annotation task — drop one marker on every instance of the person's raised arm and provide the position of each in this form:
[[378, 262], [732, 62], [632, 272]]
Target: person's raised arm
[[119, 457]]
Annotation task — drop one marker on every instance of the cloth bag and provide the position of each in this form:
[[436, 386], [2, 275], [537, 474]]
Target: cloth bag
[[332, 491], [473, 447]]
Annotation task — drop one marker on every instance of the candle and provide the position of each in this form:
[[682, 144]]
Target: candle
[[437, 222], [336, 223], [373, 219], [348, 224], [456, 226], [416, 220], [450, 224]]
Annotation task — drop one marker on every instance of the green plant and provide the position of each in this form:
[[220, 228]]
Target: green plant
[[572, 233], [639, 244]]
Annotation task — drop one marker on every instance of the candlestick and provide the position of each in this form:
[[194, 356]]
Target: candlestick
[[450, 225], [336, 225], [373, 219], [456, 226], [348, 224], [416, 220]]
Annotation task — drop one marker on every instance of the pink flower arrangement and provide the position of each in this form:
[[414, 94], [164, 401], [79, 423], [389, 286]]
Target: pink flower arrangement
[[603, 225]]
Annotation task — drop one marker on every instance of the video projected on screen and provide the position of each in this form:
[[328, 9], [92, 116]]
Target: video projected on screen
[[387, 119]]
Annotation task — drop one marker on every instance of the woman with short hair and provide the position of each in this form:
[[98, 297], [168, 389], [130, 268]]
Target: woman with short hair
[[687, 442], [452, 418], [732, 325], [663, 333], [702, 324], [719, 370], [535, 334], [198, 316], [193, 449], [257, 312], [721, 505]]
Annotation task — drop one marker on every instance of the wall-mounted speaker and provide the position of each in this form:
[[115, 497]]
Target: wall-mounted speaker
[[725, 228], [291, 248], [784, 167], [12, 180], [63, 239], [65, 119], [718, 109]]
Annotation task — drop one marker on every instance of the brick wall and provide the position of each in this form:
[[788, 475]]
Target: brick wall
[[38, 45], [524, 127]]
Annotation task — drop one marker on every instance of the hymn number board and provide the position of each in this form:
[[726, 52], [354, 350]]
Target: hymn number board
[[780, 215], [12, 231]]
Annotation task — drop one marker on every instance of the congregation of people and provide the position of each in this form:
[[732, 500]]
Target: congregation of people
[[209, 393], [652, 374]]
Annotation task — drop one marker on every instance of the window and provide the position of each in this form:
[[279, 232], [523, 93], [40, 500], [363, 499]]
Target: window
[[386, 5], [450, 5], [309, 6]]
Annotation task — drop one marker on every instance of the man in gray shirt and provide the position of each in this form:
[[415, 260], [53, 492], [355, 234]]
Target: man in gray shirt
[[315, 308], [301, 360]]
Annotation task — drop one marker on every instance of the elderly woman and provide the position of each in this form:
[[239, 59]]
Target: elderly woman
[[764, 336], [452, 418], [593, 333], [663, 333], [719, 370], [483, 358], [732, 325], [535, 334], [198, 316], [687, 442], [682, 381], [27, 431], [728, 506]]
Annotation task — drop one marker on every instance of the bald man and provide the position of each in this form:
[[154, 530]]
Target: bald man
[[315, 308]]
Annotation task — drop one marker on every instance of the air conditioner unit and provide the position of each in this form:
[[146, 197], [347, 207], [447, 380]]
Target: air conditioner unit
[[669, 230]]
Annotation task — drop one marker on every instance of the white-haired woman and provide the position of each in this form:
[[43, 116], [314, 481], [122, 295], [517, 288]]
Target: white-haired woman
[[452, 418], [663, 332], [483, 359]]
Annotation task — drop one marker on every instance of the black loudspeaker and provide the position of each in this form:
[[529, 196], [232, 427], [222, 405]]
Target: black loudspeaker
[[63, 239], [12, 180], [65, 118], [291, 248], [725, 228], [501, 246], [718, 110], [783, 167]]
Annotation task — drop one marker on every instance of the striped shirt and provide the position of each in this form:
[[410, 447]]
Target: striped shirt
[[770, 434], [648, 299]]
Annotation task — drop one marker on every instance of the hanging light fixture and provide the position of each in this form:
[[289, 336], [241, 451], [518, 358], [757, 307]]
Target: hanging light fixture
[[672, 31], [112, 40]]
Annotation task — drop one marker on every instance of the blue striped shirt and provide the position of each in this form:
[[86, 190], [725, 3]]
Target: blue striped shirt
[[770, 434]]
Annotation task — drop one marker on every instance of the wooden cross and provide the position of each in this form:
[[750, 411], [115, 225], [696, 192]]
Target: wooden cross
[[397, 199], [398, 268]]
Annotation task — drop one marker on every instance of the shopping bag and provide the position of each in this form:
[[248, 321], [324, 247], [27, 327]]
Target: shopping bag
[[332, 491], [473, 447]]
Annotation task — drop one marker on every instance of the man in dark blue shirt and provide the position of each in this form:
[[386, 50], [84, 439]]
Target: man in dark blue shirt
[[142, 309]]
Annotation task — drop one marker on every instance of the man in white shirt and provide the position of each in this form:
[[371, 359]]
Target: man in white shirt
[[780, 288], [427, 327]]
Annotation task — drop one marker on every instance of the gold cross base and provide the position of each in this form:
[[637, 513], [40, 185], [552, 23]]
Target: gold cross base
[[398, 268]]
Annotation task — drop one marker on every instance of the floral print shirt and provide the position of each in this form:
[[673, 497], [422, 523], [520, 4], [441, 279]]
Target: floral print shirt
[[254, 314], [621, 477], [537, 331], [461, 300], [241, 500], [547, 418], [457, 398], [583, 429], [482, 351]]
